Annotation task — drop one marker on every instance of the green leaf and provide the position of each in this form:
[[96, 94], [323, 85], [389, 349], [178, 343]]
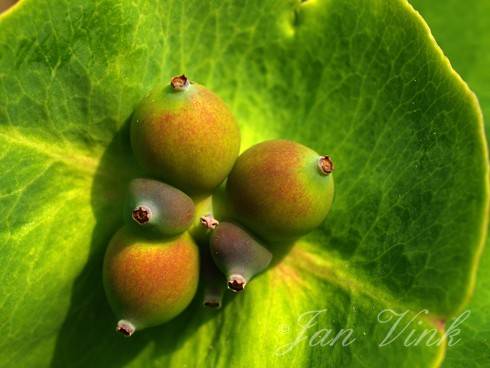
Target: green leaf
[[360, 80], [463, 31]]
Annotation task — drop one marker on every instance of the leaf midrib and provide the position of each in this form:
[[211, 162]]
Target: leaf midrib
[[82, 161]]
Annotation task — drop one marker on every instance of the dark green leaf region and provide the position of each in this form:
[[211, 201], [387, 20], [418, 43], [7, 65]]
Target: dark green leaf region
[[362, 81]]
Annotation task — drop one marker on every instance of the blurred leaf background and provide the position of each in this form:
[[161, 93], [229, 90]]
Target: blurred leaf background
[[462, 29]]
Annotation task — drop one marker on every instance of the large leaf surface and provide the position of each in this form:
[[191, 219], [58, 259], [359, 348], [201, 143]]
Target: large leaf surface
[[463, 31], [361, 80]]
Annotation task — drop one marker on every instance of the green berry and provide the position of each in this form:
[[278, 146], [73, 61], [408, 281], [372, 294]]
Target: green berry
[[237, 254], [158, 206], [149, 281], [281, 189], [185, 135], [213, 281]]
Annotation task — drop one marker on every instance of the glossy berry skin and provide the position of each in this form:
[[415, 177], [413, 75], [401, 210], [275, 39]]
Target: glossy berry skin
[[149, 281], [159, 207], [237, 254], [278, 190], [185, 136]]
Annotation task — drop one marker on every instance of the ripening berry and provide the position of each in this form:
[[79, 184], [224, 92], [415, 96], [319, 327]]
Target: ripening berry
[[149, 281], [280, 189], [185, 135]]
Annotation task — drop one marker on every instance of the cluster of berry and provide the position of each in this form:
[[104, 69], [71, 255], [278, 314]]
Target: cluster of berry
[[275, 192]]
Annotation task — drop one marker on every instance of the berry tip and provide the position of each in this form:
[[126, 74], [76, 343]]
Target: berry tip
[[125, 327], [236, 283], [325, 164], [209, 222], [214, 304], [141, 215], [179, 83]]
